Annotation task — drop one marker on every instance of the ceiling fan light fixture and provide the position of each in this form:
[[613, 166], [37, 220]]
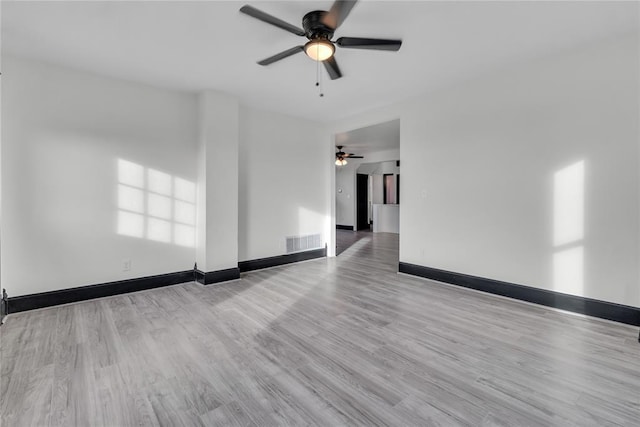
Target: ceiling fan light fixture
[[319, 49], [341, 162]]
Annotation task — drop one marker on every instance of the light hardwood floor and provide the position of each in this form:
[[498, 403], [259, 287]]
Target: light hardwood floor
[[347, 238], [342, 341]]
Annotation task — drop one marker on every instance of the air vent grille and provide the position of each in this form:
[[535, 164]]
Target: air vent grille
[[303, 243]]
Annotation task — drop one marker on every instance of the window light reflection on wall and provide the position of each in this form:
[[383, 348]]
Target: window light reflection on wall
[[155, 205], [568, 229]]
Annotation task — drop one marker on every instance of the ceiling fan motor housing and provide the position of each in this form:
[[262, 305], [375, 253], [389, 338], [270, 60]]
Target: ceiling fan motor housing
[[319, 26], [313, 26]]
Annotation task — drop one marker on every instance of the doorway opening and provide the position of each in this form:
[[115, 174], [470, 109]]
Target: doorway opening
[[367, 187]]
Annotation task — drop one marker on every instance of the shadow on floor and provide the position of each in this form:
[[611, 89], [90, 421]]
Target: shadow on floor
[[347, 238]]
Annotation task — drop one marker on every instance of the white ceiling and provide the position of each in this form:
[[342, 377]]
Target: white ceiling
[[210, 45], [378, 137]]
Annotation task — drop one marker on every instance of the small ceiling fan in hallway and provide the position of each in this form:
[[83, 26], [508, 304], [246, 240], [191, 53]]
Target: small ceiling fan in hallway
[[341, 156], [318, 27]]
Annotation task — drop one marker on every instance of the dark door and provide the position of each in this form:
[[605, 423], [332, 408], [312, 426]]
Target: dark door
[[362, 201]]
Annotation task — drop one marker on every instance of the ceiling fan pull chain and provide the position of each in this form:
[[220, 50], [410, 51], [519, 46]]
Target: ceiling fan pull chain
[[321, 83]]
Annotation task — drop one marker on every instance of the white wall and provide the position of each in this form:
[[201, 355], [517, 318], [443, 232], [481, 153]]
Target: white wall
[[345, 194], [218, 181], [65, 136], [387, 167], [1, 223], [386, 218], [63, 133], [377, 189], [282, 186], [479, 164]]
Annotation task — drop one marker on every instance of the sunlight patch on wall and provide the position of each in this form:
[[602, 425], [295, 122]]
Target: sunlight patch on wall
[[130, 224], [568, 229], [155, 205], [568, 204]]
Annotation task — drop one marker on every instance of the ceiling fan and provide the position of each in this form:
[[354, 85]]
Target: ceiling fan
[[341, 156], [318, 26]]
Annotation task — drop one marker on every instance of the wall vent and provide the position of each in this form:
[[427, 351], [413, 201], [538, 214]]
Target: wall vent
[[303, 243]]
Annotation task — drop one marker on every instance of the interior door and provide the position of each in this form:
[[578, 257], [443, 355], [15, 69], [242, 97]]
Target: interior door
[[362, 197]]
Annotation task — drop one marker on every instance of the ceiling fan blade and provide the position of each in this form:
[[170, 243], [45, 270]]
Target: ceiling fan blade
[[265, 17], [332, 68], [281, 55], [363, 43], [338, 13], [356, 157]]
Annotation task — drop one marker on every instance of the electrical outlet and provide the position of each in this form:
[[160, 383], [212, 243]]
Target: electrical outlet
[[126, 265]]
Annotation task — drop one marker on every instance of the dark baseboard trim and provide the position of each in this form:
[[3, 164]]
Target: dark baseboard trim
[[591, 307], [257, 264], [344, 227], [4, 306], [198, 276], [217, 276], [82, 293]]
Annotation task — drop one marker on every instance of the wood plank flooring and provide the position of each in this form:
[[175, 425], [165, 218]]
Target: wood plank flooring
[[342, 341], [346, 238]]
